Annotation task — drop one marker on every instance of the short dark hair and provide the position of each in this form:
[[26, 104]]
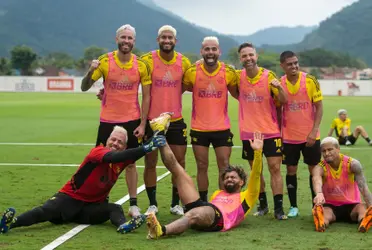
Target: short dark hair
[[285, 55], [245, 45], [238, 169]]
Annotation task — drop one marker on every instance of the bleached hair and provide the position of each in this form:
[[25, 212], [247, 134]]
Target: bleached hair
[[341, 111], [210, 38], [122, 131], [126, 27], [167, 28], [332, 140]]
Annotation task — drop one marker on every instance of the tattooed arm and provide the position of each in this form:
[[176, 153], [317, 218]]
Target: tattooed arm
[[360, 179]]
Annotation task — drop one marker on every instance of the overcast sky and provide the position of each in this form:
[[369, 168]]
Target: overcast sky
[[248, 16]]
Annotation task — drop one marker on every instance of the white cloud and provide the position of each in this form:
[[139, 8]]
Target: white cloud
[[248, 16]]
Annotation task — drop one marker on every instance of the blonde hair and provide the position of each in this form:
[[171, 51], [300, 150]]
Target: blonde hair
[[341, 111], [121, 130], [210, 38], [332, 140], [167, 28], [126, 27]]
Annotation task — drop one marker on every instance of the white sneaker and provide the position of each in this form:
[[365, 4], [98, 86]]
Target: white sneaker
[[152, 209], [177, 210], [134, 211], [347, 143], [370, 143]]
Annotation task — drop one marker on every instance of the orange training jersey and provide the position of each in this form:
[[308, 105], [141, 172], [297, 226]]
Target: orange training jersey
[[257, 111], [210, 101], [298, 113], [166, 89], [120, 100]]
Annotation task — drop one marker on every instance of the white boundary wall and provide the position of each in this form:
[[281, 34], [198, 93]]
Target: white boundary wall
[[72, 84]]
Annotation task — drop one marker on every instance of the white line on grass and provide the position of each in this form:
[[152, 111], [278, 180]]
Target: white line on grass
[[62, 239], [91, 144], [50, 165]]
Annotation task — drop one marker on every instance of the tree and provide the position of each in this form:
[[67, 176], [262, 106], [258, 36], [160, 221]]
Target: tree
[[5, 67], [90, 53], [233, 57], [192, 56], [137, 52], [58, 59], [22, 58]]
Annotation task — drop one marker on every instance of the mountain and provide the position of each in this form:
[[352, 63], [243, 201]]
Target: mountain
[[71, 26], [348, 30], [276, 35]]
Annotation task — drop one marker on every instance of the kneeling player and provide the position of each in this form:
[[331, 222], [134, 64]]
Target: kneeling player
[[227, 208], [338, 181]]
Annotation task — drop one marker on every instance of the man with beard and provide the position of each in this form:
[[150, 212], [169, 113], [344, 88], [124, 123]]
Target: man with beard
[[84, 198], [259, 89], [122, 73], [227, 208], [167, 68], [338, 181], [210, 81], [301, 117]]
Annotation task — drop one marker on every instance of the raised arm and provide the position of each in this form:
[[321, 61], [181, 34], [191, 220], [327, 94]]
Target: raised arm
[[253, 187], [360, 179], [87, 81]]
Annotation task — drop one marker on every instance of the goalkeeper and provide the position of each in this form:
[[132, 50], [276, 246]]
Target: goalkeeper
[[84, 198], [226, 209]]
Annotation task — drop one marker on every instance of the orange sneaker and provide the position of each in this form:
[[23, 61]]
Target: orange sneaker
[[318, 216], [366, 223]]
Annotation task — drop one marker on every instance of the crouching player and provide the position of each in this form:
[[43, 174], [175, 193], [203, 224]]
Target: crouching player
[[227, 208], [338, 181]]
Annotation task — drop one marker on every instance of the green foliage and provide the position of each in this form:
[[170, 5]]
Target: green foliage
[[324, 58], [58, 59], [5, 67], [192, 56], [93, 52], [233, 57], [22, 58]]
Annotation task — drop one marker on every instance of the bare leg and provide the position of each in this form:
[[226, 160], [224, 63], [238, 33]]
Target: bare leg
[[131, 177], [223, 157], [183, 181], [359, 130], [179, 152], [202, 161], [329, 216], [276, 177], [358, 212], [149, 175], [198, 218]]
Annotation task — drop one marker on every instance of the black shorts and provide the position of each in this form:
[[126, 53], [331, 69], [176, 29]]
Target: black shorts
[[343, 212], [62, 208], [351, 139], [292, 153], [272, 147], [176, 135], [105, 129], [217, 224], [222, 138]]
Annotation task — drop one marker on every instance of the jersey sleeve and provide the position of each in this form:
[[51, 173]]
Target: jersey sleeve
[[98, 72], [186, 64], [144, 70], [315, 93], [253, 190], [214, 195], [238, 74], [272, 77], [97, 153], [231, 76], [190, 76], [148, 59]]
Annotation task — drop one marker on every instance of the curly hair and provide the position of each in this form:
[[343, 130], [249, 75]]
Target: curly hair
[[238, 169]]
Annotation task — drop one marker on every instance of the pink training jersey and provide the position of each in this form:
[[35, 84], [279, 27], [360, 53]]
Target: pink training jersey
[[298, 113], [120, 99], [257, 111], [340, 191], [210, 103], [166, 89], [230, 205]]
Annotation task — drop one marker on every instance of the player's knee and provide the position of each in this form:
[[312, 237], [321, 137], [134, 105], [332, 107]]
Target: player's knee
[[291, 170], [359, 128], [274, 170], [193, 217]]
